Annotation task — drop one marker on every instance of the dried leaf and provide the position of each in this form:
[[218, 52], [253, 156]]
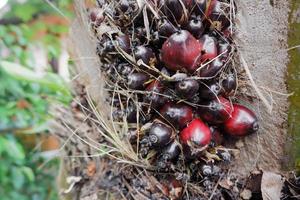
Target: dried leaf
[[271, 186]]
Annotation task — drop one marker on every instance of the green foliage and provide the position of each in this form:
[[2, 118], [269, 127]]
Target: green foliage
[[25, 98]]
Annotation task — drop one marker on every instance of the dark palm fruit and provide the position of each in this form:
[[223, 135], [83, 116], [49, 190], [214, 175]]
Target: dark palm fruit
[[124, 43], [216, 111], [175, 11], [172, 188], [209, 91], [242, 122], [137, 80], [108, 47], [187, 88], [165, 28], [181, 51], [217, 137], [96, 16], [124, 69], [124, 5], [196, 133], [195, 27], [229, 85], [145, 54], [212, 69], [203, 7], [179, 115], [218, 17], [154, 98], [208, 48], [224, 49], [160, 134], [171, 152]]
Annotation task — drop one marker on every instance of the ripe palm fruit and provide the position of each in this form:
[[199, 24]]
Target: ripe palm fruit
[[166, 28], [212, 69], [218, 18], [96, 16], [124, 43], [187, 88], [137, 80], [203, 7], [181, 51], [229, 85], [177, 10], [172, 188], [168, 155], [208, 48], [160, 134], [209, 91], [195, 26], [216, 111], [155, 98], [224, 50], [145, 54], [242, 122], [196, 134], [179, 115]]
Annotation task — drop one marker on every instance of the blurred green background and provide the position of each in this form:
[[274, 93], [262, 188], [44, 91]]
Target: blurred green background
[[32, 58]]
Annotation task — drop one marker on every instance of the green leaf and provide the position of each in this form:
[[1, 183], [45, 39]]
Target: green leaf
[[18, 178], [50, 80], [25, 11], [28, 173]]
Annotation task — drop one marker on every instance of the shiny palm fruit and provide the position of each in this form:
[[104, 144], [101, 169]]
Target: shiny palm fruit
[[166, 28], [145, 54], [137, 80], [242, 122], [160, 134], [181, 51], [203, 8], [187, 88], [124, 43], [154, 98], [172, 188], [196, 27], [229, 85], [175, 11], [217, 138], [179, 115], [212, 69], [208, 48], [209, 91], [196, 133], [218, 17], [216, 111], [124, 5], [171, 152], [224, 49]]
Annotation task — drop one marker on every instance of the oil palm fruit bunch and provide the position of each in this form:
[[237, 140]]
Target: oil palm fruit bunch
[[169, 75]]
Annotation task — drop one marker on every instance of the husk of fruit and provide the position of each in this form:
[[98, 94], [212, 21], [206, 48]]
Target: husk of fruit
[[101, 162]]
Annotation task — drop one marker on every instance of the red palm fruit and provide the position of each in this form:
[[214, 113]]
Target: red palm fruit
[[212, 69], [179, 115], [196, 27], [124, 43], [216, 111], [229, 85], [242, 122], [137, 80], [160, 134], [209, 91], [187, 88], [208, 48], [145, 54], [196, 133], [154, 98], [176, 12], [181, 51], [166, 28], [218, 17]]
